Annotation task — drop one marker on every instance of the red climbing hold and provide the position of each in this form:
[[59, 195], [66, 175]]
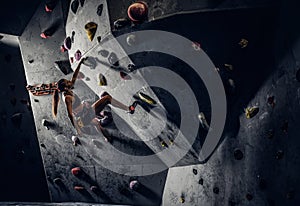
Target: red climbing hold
[[76, 171]]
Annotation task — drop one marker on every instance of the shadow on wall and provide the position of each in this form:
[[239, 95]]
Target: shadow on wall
[[22, 175]]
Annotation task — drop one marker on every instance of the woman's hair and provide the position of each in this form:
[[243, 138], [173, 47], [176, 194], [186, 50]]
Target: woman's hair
[[61, 84]]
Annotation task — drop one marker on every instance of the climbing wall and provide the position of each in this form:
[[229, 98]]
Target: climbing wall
[[97, 183]]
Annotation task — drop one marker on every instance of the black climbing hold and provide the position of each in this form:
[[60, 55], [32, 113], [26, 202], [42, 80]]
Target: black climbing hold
[[72, 37], [63, 66], [87, 79], [94, 188], [68, 43], [249, 197], [216, 190], [57, 181], [279, 154], [298, 75], [113, 59], [200, 181], [120, 23], [81, 2], [238, 154], [74, 6], [30, 61], [1, 37], [103, 53], [271, 100], [98, 39], [36, 100], [42, 145], [17, 119], [100, 9], [131, 67], [195, 171]]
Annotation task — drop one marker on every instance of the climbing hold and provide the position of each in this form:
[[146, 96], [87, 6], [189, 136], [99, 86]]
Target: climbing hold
[[57, 180], [200, 181], [16, 119], [238, 154], [99, 10], [75, 140], [43, 145], [68, 43], [146, 98], [138, 12], [228, 67], [94, 188], [271, 101], [78, 188], [91, 29], [74, 6], [251, 111], [203, 121], [80, 75], [81, 2], [36, 100], [64, 66], [76, 171], [87, 79], [163, 143], [131, 40], [30, 61], [120, 23], [216, 190], [45, 35], [113, 59], [279, 154], [124, 76], [196, 46], [134, 184], [102, 80], [195, 171], [47, 124], [63, 48], [77, 55], [181, 199], [243, 43], [48, 8], [98, 39], [103, 53]]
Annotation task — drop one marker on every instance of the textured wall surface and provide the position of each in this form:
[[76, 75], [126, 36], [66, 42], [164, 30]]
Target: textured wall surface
[[266, 174]]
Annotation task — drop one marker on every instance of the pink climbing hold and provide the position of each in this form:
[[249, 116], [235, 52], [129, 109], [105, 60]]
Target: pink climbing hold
[[133, 184], [76, 171]]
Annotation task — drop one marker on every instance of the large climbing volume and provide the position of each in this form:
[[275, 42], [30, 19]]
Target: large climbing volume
[[42, 89]]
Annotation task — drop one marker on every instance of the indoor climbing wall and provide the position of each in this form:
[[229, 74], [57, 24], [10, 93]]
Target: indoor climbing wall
[[45, 63]]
